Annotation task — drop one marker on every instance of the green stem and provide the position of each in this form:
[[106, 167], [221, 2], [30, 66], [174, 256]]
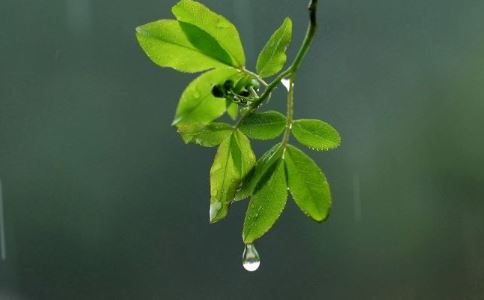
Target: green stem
[[290, 111], [256, 76], [294, 67], [308, 39]]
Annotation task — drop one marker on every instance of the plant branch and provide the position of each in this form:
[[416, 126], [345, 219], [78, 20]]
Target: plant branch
[[256, 76], [290, 111], [294, 67]]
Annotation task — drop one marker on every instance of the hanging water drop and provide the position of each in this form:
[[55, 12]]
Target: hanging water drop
[[250, 258], [286, 82]]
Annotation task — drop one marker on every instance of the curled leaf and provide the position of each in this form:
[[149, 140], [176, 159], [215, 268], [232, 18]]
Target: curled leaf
[[234, 159], [198, 104]]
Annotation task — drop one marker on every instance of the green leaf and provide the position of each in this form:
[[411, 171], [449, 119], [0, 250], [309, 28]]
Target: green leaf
[[234, 159], [217, 26], [197, 104], [265, 162], [167, 45], [273, 57], [307, 184], [316, 134], [205, 135], [263, 126], [232, 109], [266, 205], [246, 161]]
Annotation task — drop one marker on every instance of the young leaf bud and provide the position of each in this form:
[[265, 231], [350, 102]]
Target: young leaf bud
[[255, 84], [218, 91], [228, 85]]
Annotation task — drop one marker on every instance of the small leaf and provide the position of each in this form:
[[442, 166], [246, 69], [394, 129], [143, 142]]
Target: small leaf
[[273, 57], [307, 183], [197, 104], [316, 134], [209, 135], [217, 26], [266, 205], [265, 162], [247, 160], [232, 109], [167, 45], [234, 159], [263, 126]]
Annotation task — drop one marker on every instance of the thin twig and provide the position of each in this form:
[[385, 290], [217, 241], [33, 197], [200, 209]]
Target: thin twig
[[293, 68]]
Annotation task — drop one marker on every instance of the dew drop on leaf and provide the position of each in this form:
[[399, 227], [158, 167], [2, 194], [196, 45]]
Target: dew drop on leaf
[[250, 258]]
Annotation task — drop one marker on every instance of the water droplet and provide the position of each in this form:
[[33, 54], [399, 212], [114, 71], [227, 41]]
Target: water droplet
[[250, 258], [286, 83], [214, 209]]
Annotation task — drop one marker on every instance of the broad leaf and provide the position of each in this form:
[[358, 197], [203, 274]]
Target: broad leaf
[[307, 184], [217, 26], [197, 104], [265, 162], [267, 204], [209, 135], [234, 159], [273, 57], [167, 45], [316, 134], [263, 126]]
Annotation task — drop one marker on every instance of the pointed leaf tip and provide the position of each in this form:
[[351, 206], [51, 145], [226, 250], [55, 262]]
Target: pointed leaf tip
[[234, 159], [215, 25], [266, 205], [307, 184], [273, 56]]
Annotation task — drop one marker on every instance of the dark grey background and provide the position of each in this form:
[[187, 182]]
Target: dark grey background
[[102, 200]]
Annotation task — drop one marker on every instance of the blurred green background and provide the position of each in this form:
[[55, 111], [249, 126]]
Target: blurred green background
[[102, 200]]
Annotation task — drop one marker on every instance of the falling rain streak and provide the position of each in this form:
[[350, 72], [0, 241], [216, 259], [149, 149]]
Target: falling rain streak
[[3, 248]]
